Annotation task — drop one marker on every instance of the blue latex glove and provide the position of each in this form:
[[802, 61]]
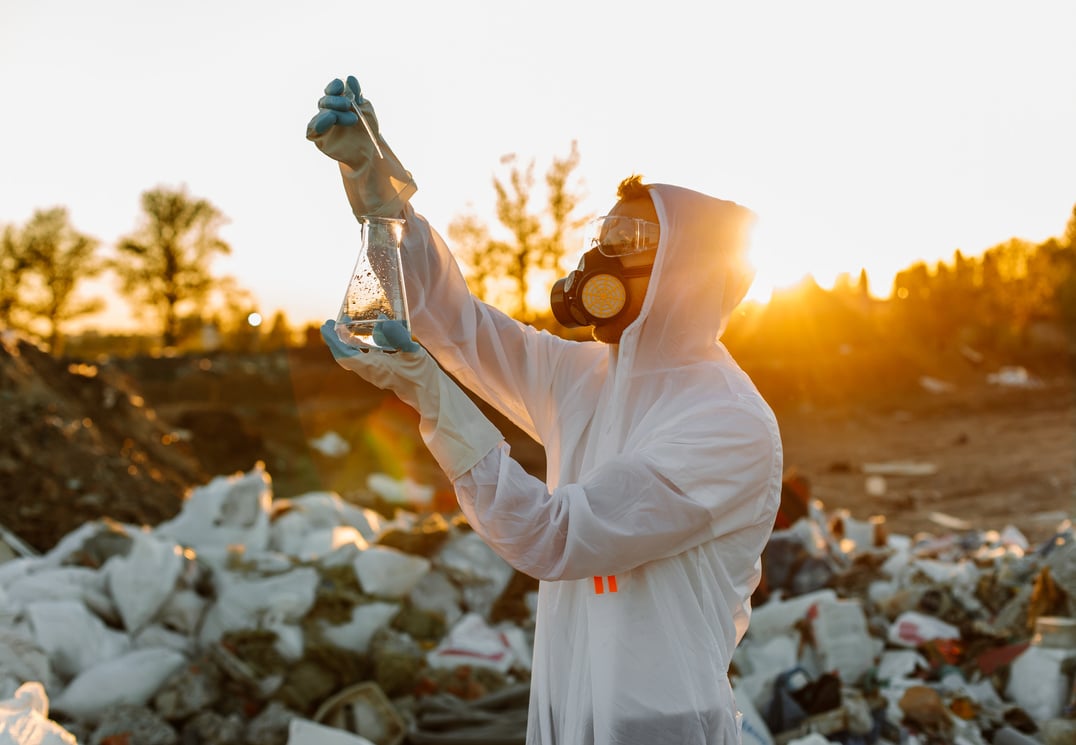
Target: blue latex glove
[[345, 128], [390, 336], [335, 107], [456, 432]]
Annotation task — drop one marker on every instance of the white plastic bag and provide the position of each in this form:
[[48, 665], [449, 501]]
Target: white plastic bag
[[778, 616], [389, 572], [141, 581], [435, 593], [366, 620], [913, 628], [130, 679], [474, 643], [22, 657], [232, 510], [74, 638], [252, 603], [65, 583], [481, 573], [842, 640], [399, 491], [1037, 683]]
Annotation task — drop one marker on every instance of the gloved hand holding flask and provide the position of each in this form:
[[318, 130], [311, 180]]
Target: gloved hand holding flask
[[455, 431]]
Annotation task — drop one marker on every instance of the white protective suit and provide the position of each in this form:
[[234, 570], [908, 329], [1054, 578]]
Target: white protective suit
[[663, 480]]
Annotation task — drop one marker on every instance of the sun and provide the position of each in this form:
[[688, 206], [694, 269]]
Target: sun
[[785, 260]]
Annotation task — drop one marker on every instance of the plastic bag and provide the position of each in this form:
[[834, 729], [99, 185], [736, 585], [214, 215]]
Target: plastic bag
[[141, 581], [130, 679], [388, 572], [74, 638]]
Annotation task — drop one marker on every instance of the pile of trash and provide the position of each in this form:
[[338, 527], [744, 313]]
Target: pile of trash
[[859, 637], [249, 619]]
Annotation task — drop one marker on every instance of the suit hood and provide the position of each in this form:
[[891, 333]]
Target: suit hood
[[701, 273]]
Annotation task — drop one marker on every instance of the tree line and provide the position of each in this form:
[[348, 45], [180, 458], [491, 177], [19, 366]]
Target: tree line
[[1014, 295], [163, 266]]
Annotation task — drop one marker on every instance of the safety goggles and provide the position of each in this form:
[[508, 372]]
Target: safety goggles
[[614, 235]]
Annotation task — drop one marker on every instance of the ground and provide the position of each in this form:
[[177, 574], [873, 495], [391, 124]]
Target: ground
[[1002, 456], [127, 438]]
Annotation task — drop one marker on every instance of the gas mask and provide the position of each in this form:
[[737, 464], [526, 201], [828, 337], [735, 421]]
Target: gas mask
[[596, 293]]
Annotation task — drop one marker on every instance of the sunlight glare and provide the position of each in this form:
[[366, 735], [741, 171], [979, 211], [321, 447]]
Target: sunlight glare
[[783, 260]]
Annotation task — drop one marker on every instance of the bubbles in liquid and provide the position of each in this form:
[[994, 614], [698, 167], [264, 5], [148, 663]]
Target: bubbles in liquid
[[375, 290]]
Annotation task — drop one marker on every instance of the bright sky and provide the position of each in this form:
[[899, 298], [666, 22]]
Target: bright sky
[[863, 134]]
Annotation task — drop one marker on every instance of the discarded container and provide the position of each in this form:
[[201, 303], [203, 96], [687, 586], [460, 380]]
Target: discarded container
[[365, 710], [1037, 680], [1056, 632]]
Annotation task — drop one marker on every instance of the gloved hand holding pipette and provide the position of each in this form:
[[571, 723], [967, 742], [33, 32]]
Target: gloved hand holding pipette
[[345, 128], [337, 106]]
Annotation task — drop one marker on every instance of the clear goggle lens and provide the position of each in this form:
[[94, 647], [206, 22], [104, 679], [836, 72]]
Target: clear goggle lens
[[615, 236]]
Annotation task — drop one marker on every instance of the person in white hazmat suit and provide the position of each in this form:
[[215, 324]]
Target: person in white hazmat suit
[[664, 463]]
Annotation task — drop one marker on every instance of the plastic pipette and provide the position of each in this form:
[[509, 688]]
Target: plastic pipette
[[350, 95]]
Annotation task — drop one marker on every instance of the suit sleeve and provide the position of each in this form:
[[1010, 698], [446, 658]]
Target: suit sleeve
[[690, 484]]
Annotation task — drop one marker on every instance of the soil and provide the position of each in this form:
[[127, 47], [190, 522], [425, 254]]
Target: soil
[[127, 438], [1000, 456]]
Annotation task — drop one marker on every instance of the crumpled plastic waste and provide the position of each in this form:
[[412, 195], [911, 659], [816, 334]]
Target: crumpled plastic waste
[[287, 605]]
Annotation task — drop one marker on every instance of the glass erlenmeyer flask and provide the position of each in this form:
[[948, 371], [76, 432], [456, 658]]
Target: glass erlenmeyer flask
[[375, 292]]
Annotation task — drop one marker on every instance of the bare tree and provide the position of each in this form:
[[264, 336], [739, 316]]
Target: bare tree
[[59, 257], [165, 262], [537, 238]]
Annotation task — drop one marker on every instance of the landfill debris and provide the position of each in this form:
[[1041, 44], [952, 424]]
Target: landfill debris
[[934, 385], [1013, 376], [331, 444], [12, 546], [399, 491], [365, 710], [293, 621], [901, 468]]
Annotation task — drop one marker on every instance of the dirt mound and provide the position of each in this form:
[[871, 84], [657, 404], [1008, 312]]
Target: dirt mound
[[77, 443]]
